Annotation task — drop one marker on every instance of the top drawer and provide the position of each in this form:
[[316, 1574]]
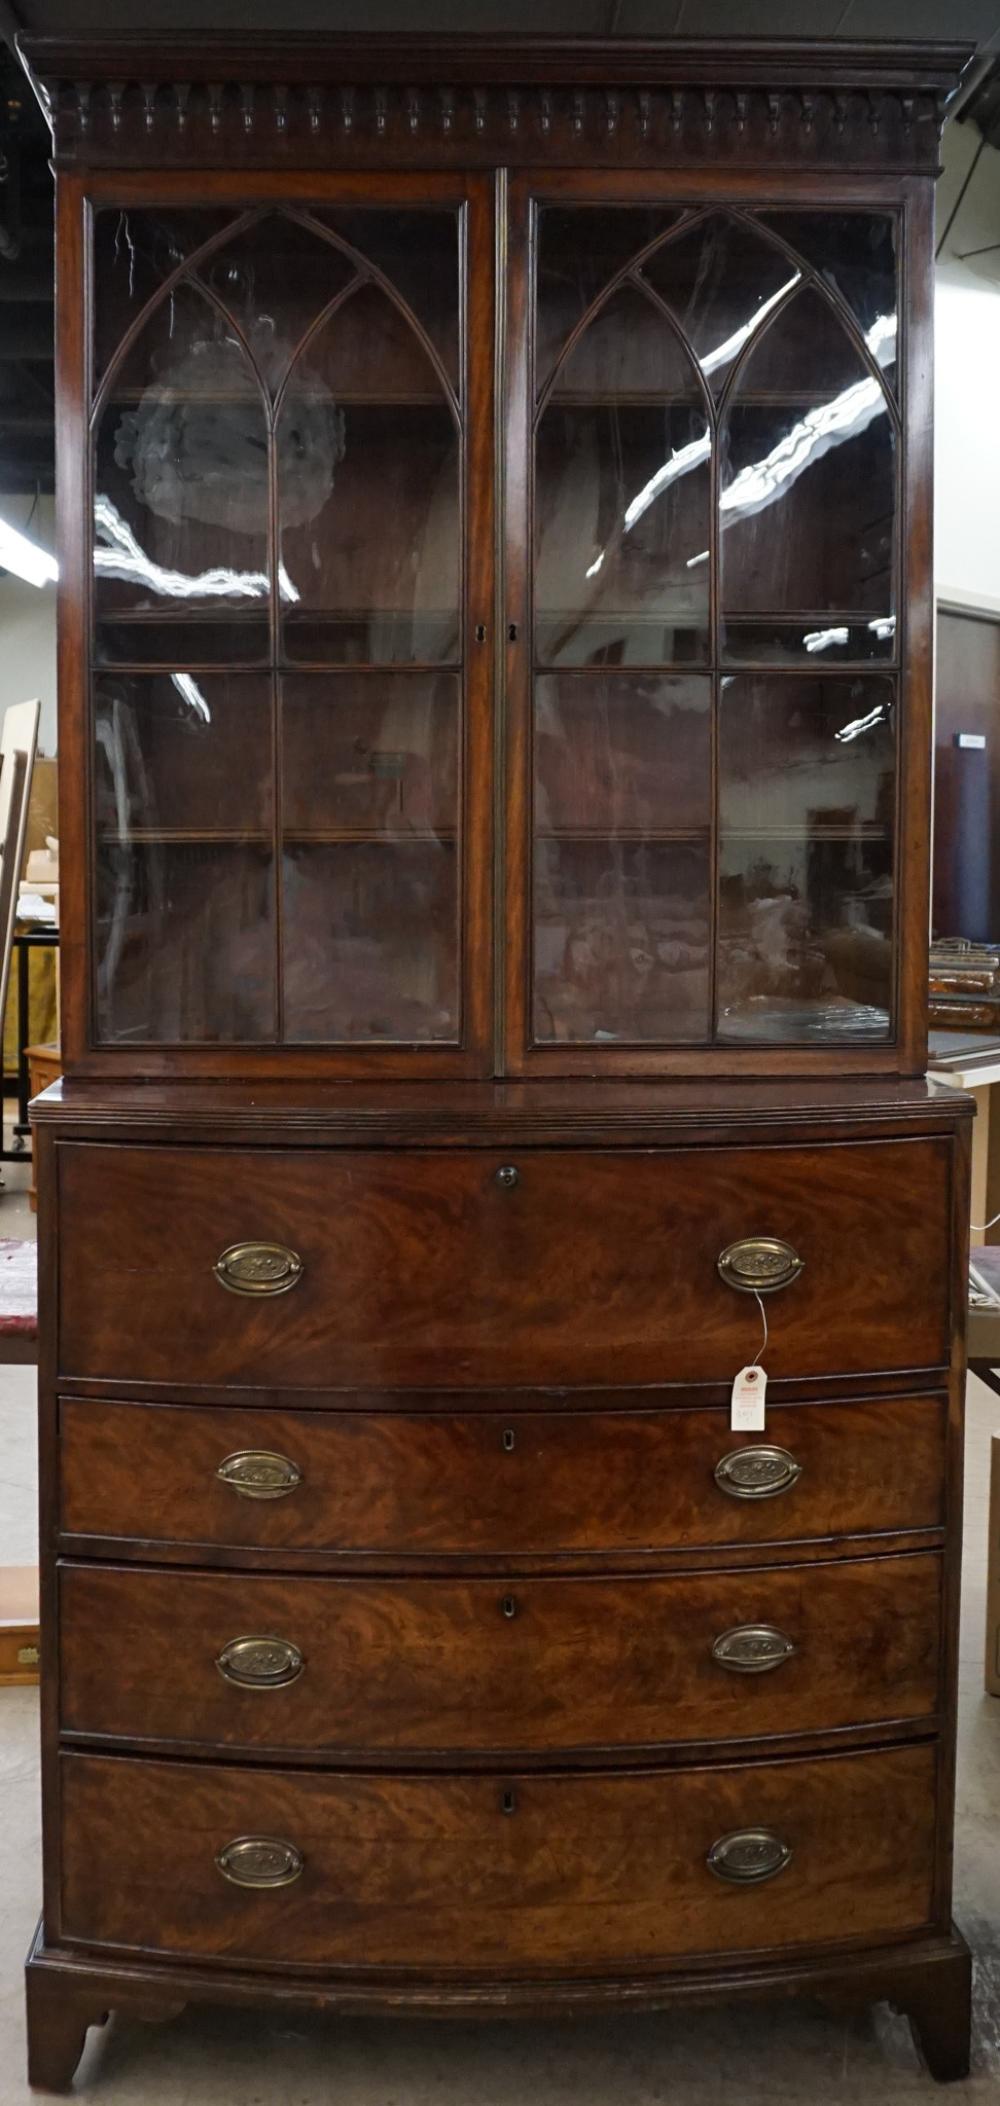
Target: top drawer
[[455, 1268]]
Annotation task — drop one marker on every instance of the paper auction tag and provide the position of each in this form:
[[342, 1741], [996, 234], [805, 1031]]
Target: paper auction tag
[[746, 1412]]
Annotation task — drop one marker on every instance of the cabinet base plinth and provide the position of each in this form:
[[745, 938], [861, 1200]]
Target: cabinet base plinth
[[927, 1981]]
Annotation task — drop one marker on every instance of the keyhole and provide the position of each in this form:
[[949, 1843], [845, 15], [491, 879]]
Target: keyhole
[[480, 632], [512, 632], [508, 1440], [508, 1802], [508, 1607]]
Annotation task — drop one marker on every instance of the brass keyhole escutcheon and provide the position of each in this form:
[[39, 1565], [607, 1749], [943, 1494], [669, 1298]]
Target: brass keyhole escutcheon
[[508, 1607], [507, 1177], [508, 1440]]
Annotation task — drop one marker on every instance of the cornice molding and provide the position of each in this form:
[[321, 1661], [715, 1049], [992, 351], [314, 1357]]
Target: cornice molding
[[437, 101]]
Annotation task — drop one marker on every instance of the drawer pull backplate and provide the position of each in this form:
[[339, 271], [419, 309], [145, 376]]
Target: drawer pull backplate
[[748, 1856], [258, 1268], [256, 1473], [752, 1649], [757, 1473], [260, 1861], [759, 1264], [260, 1663]]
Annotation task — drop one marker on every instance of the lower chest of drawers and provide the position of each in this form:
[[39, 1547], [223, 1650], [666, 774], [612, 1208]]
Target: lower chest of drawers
[[417, 1604]]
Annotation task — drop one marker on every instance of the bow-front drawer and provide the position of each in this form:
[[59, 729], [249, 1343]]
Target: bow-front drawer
[[495, 1667], [434, 1484], [413, 1269], [522, 1874]]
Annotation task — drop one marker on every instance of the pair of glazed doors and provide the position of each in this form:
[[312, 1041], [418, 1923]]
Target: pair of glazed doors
[[493, 608]]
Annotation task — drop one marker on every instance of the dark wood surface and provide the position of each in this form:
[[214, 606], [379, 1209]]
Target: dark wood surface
[[467, 1845], [439, 1485], [424, 1268], [599, 1110], [425, 100], [585, 1872], [442, 1668]]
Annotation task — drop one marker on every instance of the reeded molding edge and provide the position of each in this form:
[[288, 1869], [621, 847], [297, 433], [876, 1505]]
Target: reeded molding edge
[[106, 1110]]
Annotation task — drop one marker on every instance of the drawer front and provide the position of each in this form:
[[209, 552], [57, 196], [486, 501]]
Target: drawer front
[[528, 1482], [488, 1666], [528, 1875], [423, 1269]]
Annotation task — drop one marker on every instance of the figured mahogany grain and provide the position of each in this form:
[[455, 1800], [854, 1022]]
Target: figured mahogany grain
[[420, 1268], [489, 1666], [431, 1872], [440, 1483]]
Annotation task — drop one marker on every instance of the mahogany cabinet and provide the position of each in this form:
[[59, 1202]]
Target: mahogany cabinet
[[495, 731]]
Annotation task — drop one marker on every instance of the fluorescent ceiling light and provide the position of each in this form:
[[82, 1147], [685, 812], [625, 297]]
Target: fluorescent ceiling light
[[25, 558]]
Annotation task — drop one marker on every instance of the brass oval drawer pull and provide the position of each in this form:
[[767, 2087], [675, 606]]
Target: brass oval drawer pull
[[759, 1264], [258, 1268], [748, 1856], [260, 1861], [757, 1473], [752, 1648], [260, 1663], [256, 1473]]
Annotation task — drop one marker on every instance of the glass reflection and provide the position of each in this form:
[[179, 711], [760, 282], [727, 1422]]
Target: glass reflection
[[184, 887], [806, 888], [181, 469], [855, 254], [621, 941], [580, 249], [830, 466], [722, 281], [622, 516], [371, 949]]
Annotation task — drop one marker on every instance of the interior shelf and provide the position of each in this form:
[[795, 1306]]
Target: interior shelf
[[805, 833], [298, 837], [189, 398], [631, 836], [652, 398]]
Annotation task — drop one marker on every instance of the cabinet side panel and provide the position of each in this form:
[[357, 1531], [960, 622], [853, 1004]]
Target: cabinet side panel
[[72, 314]]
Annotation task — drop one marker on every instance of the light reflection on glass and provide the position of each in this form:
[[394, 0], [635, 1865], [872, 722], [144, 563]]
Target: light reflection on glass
[[122, 557], [761, 482], [187, 687], [733, 345], [821, 639]]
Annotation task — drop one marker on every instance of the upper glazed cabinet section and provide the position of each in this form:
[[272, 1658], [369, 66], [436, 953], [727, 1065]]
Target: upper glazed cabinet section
[[716, 590], [279, 693], [495, 558]]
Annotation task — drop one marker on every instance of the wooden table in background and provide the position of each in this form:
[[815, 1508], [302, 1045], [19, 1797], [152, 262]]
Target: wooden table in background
[[44, 1066], [966, 1061]]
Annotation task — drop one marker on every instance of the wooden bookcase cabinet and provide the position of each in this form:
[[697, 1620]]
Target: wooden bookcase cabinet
[[495, 724]]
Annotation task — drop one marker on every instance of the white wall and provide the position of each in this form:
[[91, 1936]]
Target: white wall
[[967, 377], [28, 626]]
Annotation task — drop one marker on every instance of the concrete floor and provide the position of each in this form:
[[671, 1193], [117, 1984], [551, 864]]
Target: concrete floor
[[740, 2057]]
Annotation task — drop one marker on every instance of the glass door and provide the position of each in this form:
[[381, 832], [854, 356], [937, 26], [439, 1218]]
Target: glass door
[[708, 722], [289, 708]]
